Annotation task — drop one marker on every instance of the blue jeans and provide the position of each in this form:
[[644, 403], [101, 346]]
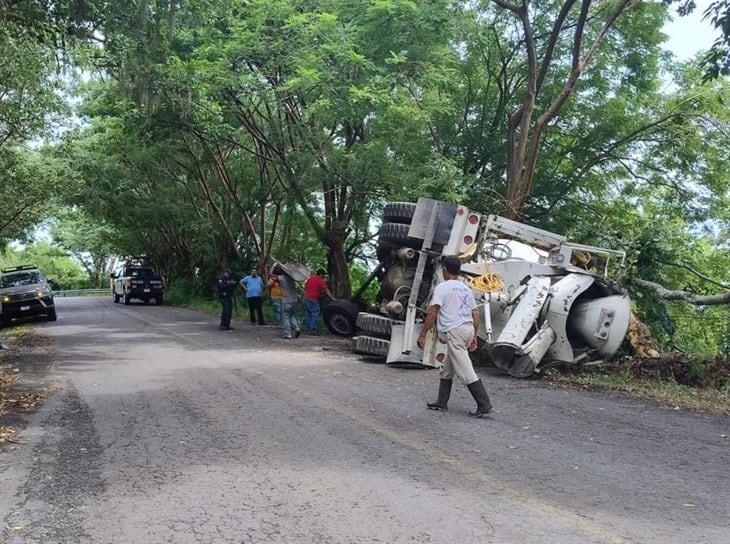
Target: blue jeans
[[290, 319], [311, 310], [276, 305]]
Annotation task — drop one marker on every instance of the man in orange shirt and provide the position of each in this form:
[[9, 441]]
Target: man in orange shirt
[[277, 296], [313, 289]]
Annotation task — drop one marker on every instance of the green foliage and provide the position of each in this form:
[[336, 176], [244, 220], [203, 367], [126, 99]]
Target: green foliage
[[236, 133], [29, 188], [359, 274], [91, 242], [30, 105], [55, 263]]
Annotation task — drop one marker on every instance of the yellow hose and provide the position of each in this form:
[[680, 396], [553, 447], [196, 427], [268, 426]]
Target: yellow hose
[[487, 283]]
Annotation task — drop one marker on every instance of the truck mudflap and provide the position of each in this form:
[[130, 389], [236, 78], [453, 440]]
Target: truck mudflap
[[415, 356]]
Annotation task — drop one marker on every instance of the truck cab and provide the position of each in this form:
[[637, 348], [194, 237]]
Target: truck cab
[[137, 280], [25, 292]]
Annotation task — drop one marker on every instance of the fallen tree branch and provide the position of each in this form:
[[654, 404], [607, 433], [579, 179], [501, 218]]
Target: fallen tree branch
[[685, 296], [698, 274]]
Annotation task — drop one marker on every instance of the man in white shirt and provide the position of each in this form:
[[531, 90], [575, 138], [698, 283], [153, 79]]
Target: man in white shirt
[[453, 309]]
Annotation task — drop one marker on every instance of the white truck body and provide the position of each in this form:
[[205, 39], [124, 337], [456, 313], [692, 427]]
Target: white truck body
[[552, 301]]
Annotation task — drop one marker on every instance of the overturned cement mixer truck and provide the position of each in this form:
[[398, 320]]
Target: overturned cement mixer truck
[[541, 298]]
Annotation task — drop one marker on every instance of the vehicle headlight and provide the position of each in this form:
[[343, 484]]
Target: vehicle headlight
[[6, 298], [44, 292]]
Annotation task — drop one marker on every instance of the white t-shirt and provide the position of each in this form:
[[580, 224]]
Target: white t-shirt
[[456, 301]]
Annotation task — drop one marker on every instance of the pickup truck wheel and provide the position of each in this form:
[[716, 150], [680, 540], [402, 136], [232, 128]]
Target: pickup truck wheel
[[51, 315], [4, 321], [116, 297], [340, 316], [375, 324], [396, 235], [399, 212], [127, 298], [372, 347]]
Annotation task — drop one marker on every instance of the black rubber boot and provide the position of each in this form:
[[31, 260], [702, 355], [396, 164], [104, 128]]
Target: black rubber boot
[[444, 394], [480, 395]]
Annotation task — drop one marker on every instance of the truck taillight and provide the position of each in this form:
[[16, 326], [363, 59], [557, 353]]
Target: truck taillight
[[128, 283]]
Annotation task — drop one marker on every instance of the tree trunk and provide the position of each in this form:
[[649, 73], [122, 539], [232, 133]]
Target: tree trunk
[[337, 263], [518, 189]]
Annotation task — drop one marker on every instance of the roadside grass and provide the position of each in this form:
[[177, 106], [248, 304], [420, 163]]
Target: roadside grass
[[11, 334], [621, 379]]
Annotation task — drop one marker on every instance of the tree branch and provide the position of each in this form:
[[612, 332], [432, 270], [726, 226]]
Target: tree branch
[[684, 296], [697, 273]]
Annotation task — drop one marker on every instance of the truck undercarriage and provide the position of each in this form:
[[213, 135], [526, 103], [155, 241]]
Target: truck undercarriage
[[541, 298]]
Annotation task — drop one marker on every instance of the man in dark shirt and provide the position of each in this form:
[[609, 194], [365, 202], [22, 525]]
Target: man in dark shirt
[[226, 288]]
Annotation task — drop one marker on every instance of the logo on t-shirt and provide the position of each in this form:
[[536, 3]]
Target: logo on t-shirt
[[465, 306]]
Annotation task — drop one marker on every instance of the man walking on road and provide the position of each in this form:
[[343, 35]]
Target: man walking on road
[[314, 287], [226, 288], [254, 287], [453, 308], [290, 303]]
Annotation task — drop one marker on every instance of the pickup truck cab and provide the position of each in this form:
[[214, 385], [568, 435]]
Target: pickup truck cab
[[25, 292], [135, 281]]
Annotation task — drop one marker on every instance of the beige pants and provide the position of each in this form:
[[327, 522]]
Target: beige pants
[[457, 354]]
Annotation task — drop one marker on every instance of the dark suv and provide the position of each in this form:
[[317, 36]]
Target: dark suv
[[137, 281], [25, 292]]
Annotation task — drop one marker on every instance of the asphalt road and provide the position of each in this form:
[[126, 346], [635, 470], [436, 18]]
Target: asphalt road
[[165, 430]]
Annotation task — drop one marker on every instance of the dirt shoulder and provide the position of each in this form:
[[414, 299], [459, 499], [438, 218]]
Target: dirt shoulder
[[670, 380], [24, 383]]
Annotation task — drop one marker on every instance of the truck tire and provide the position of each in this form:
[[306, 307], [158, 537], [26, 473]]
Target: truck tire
[[127, 298], [340, 316], [372, 347], [5, 321], [399, 212], [116, 297], [396, 235], [51, 315], [375, 324]]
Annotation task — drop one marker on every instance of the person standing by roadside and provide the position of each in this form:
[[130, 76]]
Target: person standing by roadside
[[276, 296], [453, 309], [253, 284], [226, 288], [314, 287], [289, 303]]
